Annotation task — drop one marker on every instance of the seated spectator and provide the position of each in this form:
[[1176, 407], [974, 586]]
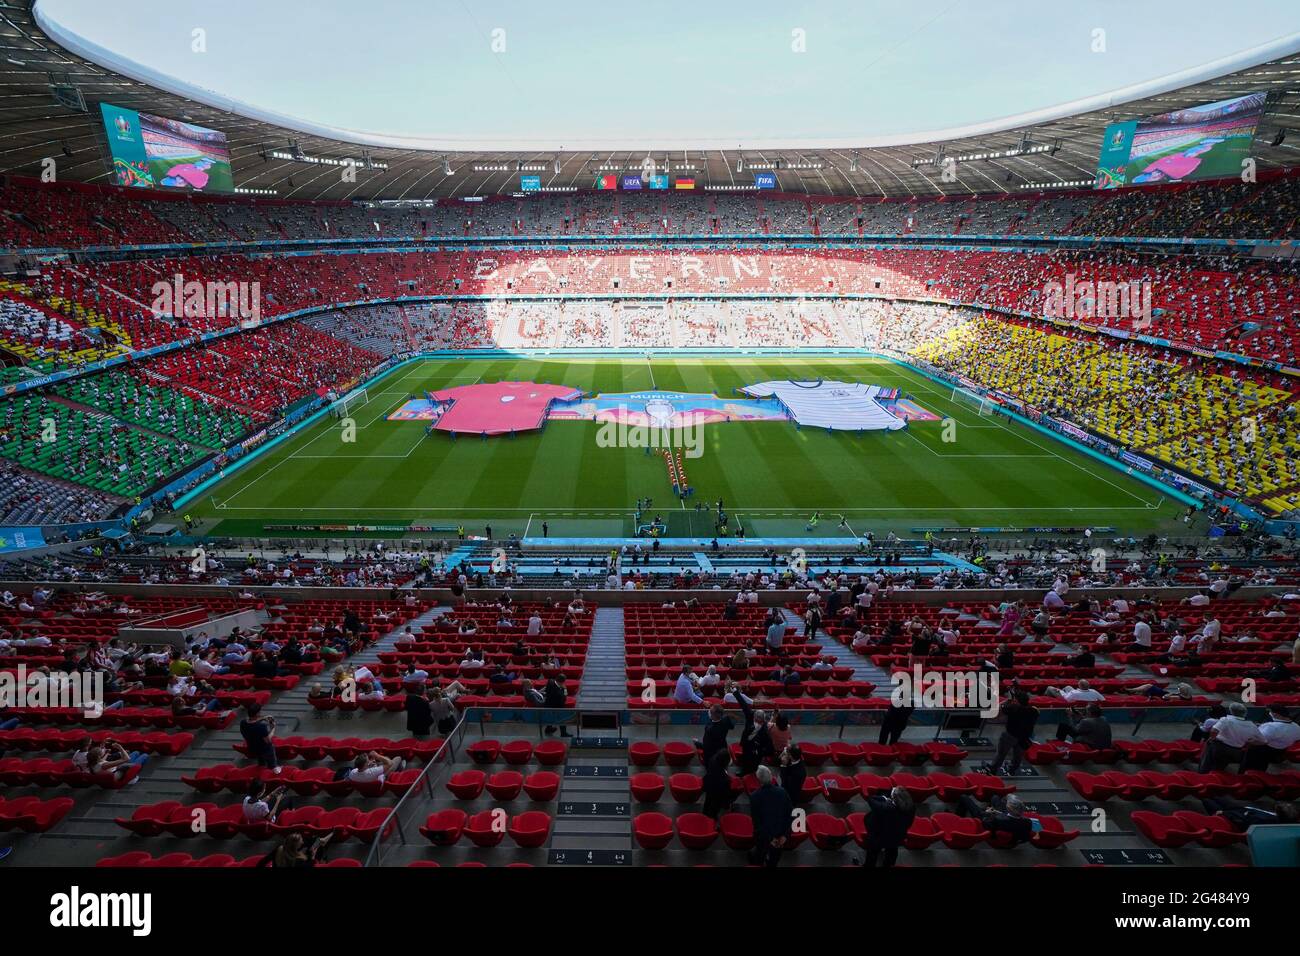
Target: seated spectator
[[1001, 816], [1227, 740], [1243, 816], [684, 691], [1081, 693], [373, 767], [1091, 731], [296, 852], [261, 806]]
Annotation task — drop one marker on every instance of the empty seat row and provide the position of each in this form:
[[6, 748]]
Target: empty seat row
[[346, 748], [1183, 827], [549, 753], [125, 717], [223, 822], [1176, 786], [63, 741], [33, 814], [139, 858], [487, 828], [541, 786], [678, 753], [1131, 751]]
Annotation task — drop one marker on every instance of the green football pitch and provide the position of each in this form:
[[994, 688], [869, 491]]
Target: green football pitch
[[771, 476], [1223, 159]]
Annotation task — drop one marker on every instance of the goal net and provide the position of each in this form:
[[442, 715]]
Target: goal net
[[342, 407], [965, 399]]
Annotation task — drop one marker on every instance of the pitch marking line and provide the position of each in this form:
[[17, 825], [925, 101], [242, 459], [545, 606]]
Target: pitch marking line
[[1052, 453], [791, 512]]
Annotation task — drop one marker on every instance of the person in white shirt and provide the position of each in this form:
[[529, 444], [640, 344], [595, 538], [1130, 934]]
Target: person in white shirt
[[1228, 739], [1080, 694], [1280, 733], [261, 806], [1196, 600], [81, 756], [373, 767], [1142, 633], [535, 625]]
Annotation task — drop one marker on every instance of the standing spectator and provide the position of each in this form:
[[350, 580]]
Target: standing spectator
[[772, 813], [888, 820], [419, 715], [1018, 734], [715, 733], [717, 784], [259, 733], [793, 773]]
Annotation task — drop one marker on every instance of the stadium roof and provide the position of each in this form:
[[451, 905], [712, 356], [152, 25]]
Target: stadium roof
[[50, 109]]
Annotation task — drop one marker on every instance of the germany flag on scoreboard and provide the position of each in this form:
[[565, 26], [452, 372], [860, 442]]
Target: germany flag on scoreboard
[[608, 181], [683, 182]]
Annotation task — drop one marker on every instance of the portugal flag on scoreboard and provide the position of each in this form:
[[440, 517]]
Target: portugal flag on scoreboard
[[684, 183], [609, 181]]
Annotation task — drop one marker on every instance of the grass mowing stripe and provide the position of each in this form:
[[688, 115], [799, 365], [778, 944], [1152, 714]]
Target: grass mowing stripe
[[754, 466]]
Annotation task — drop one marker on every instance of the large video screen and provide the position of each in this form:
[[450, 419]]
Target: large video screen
[[1201, 142], [154, 151]]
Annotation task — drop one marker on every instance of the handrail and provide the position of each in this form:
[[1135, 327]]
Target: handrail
[[457, 733]]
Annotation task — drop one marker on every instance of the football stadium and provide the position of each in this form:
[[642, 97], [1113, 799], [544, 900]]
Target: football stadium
[[458, 454]]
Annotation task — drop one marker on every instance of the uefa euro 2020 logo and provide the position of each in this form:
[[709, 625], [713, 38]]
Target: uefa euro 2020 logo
[[123, 125]]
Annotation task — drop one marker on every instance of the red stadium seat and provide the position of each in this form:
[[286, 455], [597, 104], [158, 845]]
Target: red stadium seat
[[738, 831], [652, 831], [696, 831], [679, 754], [505, 786], [686, 787], [468, 784], [960, 833], [827, 832], [517, 752], [486, 829], [444, 827], [647, 787], [1165, 831], [643, 753], [1215, 831], [530, 829], [551, 753], [838, 788], [484, 751], [542, 786]]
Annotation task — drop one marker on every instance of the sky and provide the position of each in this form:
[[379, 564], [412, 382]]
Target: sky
[[704, 74]]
